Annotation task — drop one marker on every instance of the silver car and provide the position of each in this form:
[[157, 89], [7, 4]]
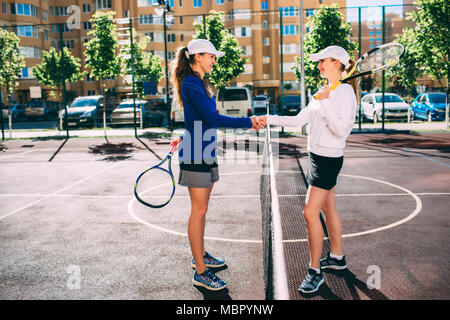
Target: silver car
[[394, 107]]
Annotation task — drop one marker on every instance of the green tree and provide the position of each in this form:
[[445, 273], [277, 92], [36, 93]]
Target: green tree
[[54, 71], [11, 64], [147, 66], [405, 73], [231, 64], [100, 53], [431, 37], [327, 27]]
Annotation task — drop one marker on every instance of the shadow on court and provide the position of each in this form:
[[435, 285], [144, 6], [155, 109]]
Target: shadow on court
[[352, 283]]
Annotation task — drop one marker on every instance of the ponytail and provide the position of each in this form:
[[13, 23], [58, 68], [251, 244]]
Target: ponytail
[[353, 82], [181, 67]]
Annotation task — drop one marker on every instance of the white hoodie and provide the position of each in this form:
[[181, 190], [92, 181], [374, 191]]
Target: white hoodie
[[330, 121]]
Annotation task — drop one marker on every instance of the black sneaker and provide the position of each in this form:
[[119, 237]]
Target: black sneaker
[[312, 282], [333, 263]]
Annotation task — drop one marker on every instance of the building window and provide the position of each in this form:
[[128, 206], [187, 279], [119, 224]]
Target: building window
[[243, 32], [27, 73], [4, 8], [220, 1], [171, 37], [264, 5], [264, 24], [103, 4], [289, 30], [86, 7], [266, 42], [309, 13], [197, 3]]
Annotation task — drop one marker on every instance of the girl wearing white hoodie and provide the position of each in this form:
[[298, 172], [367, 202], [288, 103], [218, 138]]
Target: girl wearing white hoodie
[[330, 117]]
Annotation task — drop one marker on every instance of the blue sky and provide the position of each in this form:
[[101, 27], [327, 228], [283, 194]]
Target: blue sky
[[371, 13]]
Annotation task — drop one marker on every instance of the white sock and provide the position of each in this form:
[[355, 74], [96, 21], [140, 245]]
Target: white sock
[[316, 270], [335, 256]]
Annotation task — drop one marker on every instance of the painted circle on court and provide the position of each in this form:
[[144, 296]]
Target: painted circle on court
[[386, 227]]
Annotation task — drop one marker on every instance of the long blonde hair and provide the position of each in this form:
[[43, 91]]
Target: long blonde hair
[[181, 67]]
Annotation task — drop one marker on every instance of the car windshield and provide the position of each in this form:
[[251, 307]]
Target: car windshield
[[128, 105], [437, 98], [35, 104], [84, 103], [292, 99], [233, 95], [388, 98], [259, 99]]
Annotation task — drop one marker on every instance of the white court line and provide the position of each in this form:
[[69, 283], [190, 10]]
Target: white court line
[[427, 157], [16, 155], [392, 225], [58, 191]]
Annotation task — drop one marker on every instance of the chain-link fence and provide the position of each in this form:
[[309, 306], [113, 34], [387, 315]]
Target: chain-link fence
[[133, 101]]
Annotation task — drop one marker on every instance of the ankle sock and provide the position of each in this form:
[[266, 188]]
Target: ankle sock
[[316, 270], [336, 256]]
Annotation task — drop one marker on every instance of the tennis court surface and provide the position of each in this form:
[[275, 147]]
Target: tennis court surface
[[70, 227]]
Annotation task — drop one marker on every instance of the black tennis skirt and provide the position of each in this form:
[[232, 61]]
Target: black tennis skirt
[[323, 171]]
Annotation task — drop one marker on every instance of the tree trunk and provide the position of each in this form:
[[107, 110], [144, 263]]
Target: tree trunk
[[104, 110]]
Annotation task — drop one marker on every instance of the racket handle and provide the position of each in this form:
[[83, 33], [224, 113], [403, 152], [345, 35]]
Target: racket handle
[[334, 86], [173, 146]]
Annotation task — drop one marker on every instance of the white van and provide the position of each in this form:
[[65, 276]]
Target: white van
[[234, 101]]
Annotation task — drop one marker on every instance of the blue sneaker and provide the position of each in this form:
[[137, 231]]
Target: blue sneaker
[[208, 280], [312, 282], [210, 261]]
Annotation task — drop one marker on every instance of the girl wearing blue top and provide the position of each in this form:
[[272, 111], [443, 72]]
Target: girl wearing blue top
[[197, 154]]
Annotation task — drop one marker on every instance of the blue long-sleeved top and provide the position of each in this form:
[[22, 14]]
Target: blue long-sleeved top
[[201, 121]]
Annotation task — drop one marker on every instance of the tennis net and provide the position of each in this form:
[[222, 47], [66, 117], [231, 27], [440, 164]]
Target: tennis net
[[275, 275]]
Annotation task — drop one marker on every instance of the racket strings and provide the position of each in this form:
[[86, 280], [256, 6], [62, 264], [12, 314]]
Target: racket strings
[[155, 187], [380, 58]]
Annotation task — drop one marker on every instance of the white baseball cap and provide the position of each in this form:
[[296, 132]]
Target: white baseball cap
[[335, 52], [203, 46]]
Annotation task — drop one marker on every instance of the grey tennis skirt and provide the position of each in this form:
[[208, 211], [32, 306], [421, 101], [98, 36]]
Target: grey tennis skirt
[[199, 175], [323, 171], [198, 179]]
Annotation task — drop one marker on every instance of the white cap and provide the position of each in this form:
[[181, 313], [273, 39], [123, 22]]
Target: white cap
[[334, 52], [203, 46]]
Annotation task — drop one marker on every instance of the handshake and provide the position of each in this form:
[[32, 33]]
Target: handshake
[[258, 122]]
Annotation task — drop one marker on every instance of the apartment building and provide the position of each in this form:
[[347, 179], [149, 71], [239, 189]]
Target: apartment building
[[256, 24]]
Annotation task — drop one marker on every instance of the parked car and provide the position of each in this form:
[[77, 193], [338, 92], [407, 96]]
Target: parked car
[[146, 113], [394, 107], [5, 111], [291, 105], [260, 105], [41, 110], [429, 106], [87, 111], [234, 101], [18, 112]]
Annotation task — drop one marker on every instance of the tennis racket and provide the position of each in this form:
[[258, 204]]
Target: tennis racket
[[375, 60], [155, 187]]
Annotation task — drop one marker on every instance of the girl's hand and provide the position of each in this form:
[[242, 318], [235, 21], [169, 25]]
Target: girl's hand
[[324, 92], [175, 142]]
